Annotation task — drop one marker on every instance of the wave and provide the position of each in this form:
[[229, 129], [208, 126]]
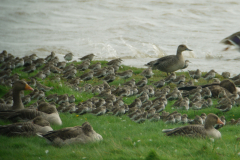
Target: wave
[[209, 55]]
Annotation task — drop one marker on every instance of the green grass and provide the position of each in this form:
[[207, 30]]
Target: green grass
[[123, 138]]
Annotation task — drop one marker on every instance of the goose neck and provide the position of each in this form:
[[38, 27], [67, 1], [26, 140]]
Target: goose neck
[[17, 101], [208, 126]]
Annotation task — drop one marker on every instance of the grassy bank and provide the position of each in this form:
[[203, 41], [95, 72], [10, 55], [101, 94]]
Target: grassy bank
[[123, 138]]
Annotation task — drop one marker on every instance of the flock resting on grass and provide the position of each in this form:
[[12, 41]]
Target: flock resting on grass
[[108, 99]]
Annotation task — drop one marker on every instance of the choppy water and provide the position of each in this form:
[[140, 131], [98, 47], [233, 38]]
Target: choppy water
[[138, 30]]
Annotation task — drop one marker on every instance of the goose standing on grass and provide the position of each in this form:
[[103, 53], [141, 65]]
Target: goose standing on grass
[[206, 130], [17, 101], [171, 63]]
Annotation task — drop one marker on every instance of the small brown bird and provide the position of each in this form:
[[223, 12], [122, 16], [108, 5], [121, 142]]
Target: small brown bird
[[29, 69], [147, 72], [40, 75], [184, 119], [84, 65], [54, 69], [61, 65], [70, 108], [141, 118], [99, 111], [175, 94], [100, 73], [226, 74], [125, 75], [26, 99], [115, 62], [62, 99], [39, 62], [195, 74], [52, 97], [109, 78], [179, 79], [206, 92], [95, 66], [130, 83], [159, 84], [110, 70], [19, 63], [184, 104], [43, 87], [170, 120], [87, 76], [186, 64], [237, 77], [136, 103], [225, 107], [210, 75], [154, 118], [142, 82], [87, 57], [50, 57], [68, 57], [196, 120], [147, 105], [170, 78]]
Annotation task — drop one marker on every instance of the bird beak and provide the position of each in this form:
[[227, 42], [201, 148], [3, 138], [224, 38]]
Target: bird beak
[[188, 49], [27, 87], [220, 122]]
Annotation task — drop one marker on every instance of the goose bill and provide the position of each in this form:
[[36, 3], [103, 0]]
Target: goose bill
[[220, 122], [188, 49], [27, 87]]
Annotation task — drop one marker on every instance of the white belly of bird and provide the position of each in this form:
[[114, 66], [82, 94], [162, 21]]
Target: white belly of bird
[[213, 133], [53, 119]]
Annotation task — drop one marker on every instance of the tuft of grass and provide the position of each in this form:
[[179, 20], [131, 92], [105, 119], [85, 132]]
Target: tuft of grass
[[152, 155]]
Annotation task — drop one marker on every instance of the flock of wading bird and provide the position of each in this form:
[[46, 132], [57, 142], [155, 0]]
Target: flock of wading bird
[[39, 116]]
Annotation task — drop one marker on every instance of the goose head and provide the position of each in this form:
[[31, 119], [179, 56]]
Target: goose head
[[87, 128], [211, 120], [21, 85], [182, 48]]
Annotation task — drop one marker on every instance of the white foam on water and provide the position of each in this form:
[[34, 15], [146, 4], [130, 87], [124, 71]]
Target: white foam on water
[[137, 31]]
